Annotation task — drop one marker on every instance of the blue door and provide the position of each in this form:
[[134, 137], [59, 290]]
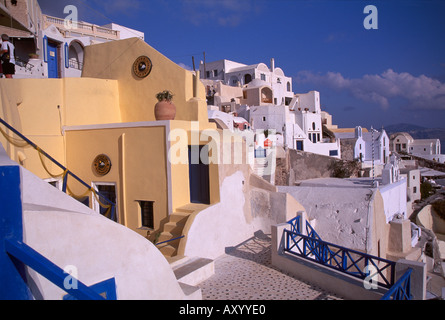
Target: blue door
[[199, 176], [300, 145], [53, 60]]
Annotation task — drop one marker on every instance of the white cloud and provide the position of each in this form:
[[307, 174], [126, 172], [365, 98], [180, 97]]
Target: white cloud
[[420, 92]]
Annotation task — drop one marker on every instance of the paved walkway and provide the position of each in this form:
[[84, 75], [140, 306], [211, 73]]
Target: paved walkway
[[245, 272]]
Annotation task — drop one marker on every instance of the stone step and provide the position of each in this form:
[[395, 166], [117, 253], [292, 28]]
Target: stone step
[[168, 250], [194, 270], [174, 227], [166, 236], [179, 217], [191, 208]]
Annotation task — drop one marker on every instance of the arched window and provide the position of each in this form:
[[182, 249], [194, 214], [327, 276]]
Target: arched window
[[313, 125], [288, 87], [266, 95], [75, 55], [247, 78]]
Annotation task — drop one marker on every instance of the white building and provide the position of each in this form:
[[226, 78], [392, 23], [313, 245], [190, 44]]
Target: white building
[[52, 47], [429, 149], [239, 75], [367, 147], [264, 97]]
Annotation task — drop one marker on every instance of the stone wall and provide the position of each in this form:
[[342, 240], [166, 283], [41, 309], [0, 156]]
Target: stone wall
[[299, 165]]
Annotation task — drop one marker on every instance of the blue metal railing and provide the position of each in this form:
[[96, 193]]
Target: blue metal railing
[[112, 214], [351, 262], [159, 243], [295, 224], [401, 290], [46, 268]]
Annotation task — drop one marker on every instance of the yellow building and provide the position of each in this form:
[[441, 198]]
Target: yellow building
[[110, 112]]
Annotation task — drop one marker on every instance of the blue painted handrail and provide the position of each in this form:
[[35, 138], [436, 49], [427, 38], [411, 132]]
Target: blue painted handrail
[[401, 290], [68, 172], [342, 259], [296, 224], [49, 270], [157, 244]]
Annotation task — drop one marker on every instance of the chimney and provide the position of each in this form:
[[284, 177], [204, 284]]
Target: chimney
[[272, 64]]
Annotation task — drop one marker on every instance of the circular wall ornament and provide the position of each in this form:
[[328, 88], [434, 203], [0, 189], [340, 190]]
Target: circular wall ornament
[[102, 164], [142, 66]]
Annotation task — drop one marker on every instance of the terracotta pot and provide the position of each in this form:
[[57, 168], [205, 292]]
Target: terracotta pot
[[165, 110]]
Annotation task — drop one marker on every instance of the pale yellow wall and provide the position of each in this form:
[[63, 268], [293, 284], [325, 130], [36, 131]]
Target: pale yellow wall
[[91, 101], [180, 171], [40, 108], [114, 60], [139, 168], [9, 98], [138, 157]]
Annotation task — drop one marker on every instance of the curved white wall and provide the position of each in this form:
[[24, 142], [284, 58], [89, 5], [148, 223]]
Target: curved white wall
[[70, 234]]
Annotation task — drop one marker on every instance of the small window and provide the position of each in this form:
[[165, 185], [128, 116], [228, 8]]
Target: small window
[[333, 153], [264, 119], [215, 73], [208, 74], [313, 125], [263, 77], [147, 215], [278, 80], [288, 87]]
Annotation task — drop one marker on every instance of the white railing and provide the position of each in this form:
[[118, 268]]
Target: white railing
[[82, 27]]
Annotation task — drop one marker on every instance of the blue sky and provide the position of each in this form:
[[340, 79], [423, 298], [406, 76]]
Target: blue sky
[[378, 77]]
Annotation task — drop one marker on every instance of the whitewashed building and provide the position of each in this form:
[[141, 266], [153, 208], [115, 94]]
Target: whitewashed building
[[239, 75], [367, 147], [404, 142], [52, 47]]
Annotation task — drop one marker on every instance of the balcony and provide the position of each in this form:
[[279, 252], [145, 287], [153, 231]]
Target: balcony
[[81, 29]]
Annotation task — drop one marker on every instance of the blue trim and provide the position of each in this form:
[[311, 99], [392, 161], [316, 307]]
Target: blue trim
[[106, 289], [401, 290], [45, 49], [67, 63], [49, 270], [12, 272], [159, 243], [344, 260]]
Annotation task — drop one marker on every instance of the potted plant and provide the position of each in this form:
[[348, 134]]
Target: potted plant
[[165, 109]]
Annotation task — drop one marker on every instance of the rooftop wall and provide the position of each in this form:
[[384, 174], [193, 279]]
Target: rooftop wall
[[114, 60]]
